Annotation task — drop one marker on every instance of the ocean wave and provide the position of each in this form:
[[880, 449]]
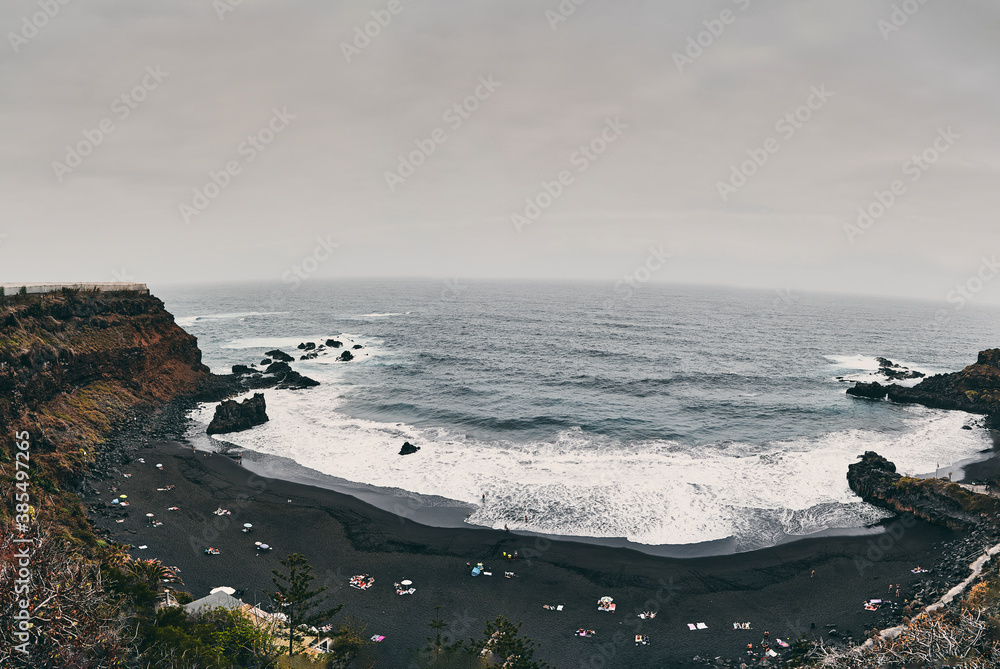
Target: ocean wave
[[581, 484], [191, 320]]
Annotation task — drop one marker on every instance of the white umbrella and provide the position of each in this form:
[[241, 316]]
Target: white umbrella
[[149, 515], [247, 525], [224, 588], [406, 582]]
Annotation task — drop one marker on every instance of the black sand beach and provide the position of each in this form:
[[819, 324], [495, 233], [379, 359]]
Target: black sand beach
[[774, 589]]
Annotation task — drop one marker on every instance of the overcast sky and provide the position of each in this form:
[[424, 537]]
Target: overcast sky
[[672, 120]]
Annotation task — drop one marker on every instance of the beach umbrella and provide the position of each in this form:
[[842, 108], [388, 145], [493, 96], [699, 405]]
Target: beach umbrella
[[149, 515], [247, 525], [265, 547], [123, 496], [406, 582], [225, 588], [256, 543], [605, 600]]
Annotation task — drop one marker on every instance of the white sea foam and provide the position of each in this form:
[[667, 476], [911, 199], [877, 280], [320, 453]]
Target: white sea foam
[[656, 492], [191, 320], [865, 369]]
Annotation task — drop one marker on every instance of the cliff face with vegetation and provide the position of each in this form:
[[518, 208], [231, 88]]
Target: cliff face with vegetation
[[74, 366]]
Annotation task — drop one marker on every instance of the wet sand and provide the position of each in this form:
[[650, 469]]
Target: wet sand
[[341, 536]]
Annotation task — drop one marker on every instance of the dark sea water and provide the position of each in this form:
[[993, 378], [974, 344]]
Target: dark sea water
[[681, 415]]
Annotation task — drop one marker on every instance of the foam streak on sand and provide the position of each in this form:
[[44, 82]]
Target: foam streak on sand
[[654, 492]]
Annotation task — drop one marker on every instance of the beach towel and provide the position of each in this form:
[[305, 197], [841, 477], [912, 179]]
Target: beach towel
[[692, 626], [783, 644], [702, 626], [377, 638], [771, 653], [143, 547]]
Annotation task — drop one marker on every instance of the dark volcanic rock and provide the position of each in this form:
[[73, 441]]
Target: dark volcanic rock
[[233, 416], [285, 378], [333, 343], [278, 368], [346, 356], [279, 355], [266, 361], [893, 371], [408, 449], [874, 390], [240, 370], [357, 346], [309, 356], [937, 501], [295, 381], [975, 389]]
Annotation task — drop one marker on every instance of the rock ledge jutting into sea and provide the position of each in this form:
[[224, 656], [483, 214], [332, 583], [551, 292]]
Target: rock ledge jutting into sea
[[975, 389], [937, 501]]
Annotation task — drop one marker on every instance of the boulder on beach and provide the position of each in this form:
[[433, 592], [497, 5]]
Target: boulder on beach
[[279, 355], [346, 356], [241, 370], [408, 449], [266, 361], [357, 346], [233, 416], [333, 343]]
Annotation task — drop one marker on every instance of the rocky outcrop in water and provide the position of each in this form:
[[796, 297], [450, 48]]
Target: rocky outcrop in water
[[937, 501], [975, 389], [233, 416], [893, 371], [873, 390], [279, 355], [408, 449]]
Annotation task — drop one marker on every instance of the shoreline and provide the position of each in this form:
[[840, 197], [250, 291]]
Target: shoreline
[[436, 511], [341, 535]]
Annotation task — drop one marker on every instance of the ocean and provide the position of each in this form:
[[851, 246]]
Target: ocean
[[675, 416]]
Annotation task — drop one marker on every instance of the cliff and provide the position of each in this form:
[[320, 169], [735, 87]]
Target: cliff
[[75, 367], [937, 501]]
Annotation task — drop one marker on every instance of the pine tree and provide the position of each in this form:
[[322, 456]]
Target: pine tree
[[296, 600], [503, 642]]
